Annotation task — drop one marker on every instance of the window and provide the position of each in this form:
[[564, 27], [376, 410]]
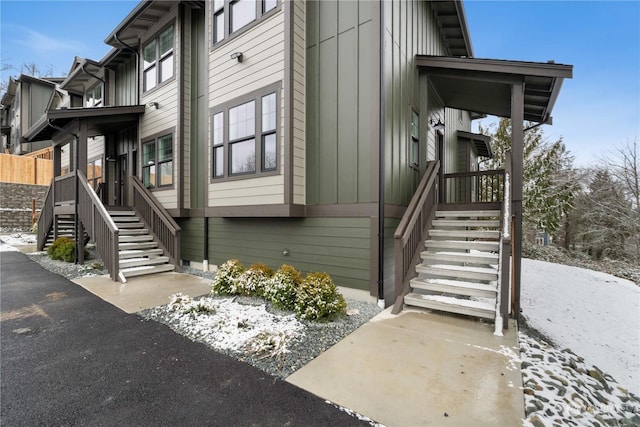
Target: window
[[231, 16], [94, 173], [158, 59], [93, 97], [244, 137], [415, 138], [157, 162]]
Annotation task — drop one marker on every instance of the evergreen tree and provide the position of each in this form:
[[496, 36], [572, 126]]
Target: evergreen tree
[[549, 183]]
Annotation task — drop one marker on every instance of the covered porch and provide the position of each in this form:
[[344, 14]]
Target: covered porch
[[521, 91]]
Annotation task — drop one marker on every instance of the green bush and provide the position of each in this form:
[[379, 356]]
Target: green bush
[[226, 281], [317, 298], [252, 282], [280, 290], [62, 249]]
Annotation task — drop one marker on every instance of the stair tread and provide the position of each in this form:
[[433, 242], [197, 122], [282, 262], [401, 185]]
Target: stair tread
[[142, 262], [471, 255], [125, 219], [137, 245], [464, 233], [488, 270], [134, 253], [133, 239], [121, 213], [462, 244], [456, 283], [468, 214], [134, 232], [451, 301], [139, 271], [466, 223]]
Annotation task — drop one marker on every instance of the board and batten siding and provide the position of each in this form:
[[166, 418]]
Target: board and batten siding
[[191, 238], [155, 121], [410, 28], [186, 102], [299, 99], [337, 246], [342, 88], [125, 87], [263, 49]]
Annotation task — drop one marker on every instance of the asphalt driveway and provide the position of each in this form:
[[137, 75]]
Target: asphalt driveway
[[69, 358]]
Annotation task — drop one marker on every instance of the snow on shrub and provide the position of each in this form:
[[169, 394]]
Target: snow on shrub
[[280, 290], [317, 298], [226, 281], [253, 281]]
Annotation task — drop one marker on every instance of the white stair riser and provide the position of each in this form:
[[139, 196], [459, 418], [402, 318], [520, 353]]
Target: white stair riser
[[461, 244], [136, 271], [126, 254], [463, 257], [468, 214], [451, 307], [459, 274], [135, 262], [465, 223], [477, 234], [470, 291]]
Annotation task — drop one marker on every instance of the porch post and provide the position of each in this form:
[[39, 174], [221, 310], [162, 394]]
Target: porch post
[[57, 160], [517, 143], [82, 148]]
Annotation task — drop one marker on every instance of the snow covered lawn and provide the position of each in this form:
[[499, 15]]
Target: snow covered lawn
[[594, 314]]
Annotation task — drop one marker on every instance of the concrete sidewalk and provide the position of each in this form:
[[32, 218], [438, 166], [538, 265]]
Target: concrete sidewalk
[[422, 369]]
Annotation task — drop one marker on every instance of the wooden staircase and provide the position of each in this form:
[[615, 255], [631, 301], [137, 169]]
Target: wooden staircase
[[139, 253], [459, 269]]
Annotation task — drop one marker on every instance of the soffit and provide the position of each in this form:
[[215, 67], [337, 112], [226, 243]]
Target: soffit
[[484, 85]]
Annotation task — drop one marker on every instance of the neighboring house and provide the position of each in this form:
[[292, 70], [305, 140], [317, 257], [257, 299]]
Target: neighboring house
[[306, 133], [26, 101]]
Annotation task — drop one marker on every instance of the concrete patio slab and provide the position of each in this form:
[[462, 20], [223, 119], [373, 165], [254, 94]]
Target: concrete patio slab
[[144, 292], [422, 369]]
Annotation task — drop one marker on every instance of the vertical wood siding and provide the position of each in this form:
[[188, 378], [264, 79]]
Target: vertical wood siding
[[338, 246], [299, 100], [342, 58], [125, 77], [263, 48], [410, 28]]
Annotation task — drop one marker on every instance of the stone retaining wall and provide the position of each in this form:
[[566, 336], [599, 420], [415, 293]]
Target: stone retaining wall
[[15, 204]]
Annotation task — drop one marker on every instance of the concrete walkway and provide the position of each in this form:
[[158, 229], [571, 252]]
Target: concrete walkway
[[422, 369], [414, 369]]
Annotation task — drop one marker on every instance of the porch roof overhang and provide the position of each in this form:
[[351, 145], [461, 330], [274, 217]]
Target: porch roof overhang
[[482, 143], [83, 71], [484, 85], [146, 14], [100, 120]]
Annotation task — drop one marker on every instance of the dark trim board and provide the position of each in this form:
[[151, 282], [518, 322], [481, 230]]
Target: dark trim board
[[469, 206]]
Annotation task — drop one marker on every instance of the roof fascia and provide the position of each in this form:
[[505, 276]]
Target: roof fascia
[[462, 16], [523, 68]]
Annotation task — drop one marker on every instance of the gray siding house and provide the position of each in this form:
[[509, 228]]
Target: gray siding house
[[330, 135]]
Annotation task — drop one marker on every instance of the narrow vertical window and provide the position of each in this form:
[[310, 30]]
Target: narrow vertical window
[[218, 20], [267, 5], [149, 164], [269, 132], [165, 53], [218, 144], [165, 160], [415, 138]]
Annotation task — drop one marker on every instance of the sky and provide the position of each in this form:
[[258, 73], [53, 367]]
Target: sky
[[596, 111]]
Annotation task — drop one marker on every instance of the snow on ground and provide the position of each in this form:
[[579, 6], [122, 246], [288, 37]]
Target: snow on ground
[[18, 239], [594, 314]]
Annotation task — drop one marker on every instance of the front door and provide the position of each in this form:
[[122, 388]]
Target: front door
[[122, 183]]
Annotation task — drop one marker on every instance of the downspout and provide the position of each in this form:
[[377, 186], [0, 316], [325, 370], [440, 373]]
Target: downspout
[[104, 84], [76, 239], [381, 142]]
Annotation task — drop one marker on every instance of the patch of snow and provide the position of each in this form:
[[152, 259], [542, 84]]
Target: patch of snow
[[7, 248], [19, 239], [594, 314], [355, 414]]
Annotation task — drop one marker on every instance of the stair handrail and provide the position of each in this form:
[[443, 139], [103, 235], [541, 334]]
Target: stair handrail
[[45, 220], [504, 253], [411, 231], [99, 225], [155, 216]]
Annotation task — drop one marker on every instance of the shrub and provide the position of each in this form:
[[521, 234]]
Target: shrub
[[252, 281], [280, 290], [317, 298], [226, 281], [62, 249]]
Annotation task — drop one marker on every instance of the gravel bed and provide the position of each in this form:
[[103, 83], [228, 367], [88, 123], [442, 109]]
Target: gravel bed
[[93, 265], [315, 338]]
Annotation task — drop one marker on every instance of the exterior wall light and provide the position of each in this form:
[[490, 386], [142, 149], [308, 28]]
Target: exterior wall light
[[437, 125], [237, 56], [285, 252], [153, 105]]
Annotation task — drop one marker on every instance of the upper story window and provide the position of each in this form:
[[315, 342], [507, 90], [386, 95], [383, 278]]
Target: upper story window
[[244, 136], [157, 161], [230, 16], [158, 59], [93, 97]]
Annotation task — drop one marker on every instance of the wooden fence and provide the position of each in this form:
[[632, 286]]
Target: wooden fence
[[25, 170]]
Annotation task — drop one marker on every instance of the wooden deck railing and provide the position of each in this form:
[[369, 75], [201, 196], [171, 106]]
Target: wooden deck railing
[[99, 226], [473, 187], [159, 222], [45, 220], [411, 232]]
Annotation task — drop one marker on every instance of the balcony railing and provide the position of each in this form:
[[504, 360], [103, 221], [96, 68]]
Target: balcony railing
[[473, 187]]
